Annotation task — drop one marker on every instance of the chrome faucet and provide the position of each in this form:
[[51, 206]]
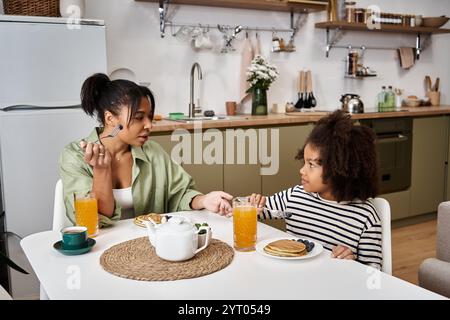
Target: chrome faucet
[[192, 109]]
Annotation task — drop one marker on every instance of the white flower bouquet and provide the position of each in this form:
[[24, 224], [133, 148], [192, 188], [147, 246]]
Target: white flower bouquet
[[261, 74]]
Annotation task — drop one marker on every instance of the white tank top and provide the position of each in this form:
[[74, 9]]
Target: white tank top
[[124, 198]]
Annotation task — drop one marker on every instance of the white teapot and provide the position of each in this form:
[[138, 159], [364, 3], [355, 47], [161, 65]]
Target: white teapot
[[177, 239]]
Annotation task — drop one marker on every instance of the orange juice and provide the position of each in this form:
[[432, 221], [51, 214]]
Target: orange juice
[[244, 227], [86, 214]]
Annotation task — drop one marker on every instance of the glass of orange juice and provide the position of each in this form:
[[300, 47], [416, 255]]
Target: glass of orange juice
[[86, 213], [244, 224]]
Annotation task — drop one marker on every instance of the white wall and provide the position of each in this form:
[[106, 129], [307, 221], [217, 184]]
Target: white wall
[[134, 42]]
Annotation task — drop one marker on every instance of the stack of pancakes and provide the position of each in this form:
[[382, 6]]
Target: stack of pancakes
[[156, 217], [286, 248]]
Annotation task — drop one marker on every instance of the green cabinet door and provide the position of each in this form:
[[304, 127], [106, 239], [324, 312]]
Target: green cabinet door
[[430, 141], [399, 203], [206, 165], [241, 170], [291, 139]]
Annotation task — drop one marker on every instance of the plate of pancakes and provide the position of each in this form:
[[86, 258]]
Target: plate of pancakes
[[289, 248], [158, 218]]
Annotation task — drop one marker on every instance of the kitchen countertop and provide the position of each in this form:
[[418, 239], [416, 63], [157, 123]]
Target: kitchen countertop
[[299, 117]]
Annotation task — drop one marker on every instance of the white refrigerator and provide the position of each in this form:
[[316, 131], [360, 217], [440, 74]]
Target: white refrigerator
[[43, 63]]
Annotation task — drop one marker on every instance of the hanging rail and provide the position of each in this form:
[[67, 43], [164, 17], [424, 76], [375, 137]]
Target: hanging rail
[[163, 22], [339, 32]]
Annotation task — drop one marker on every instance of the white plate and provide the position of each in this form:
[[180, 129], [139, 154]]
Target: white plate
[[318, 248]]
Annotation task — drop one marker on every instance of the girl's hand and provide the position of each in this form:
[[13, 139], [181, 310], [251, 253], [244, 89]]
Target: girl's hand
[[258, 200], [342, 252], [215, 201], [96, 155]]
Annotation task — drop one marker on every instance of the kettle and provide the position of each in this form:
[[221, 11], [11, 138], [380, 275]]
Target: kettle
[[177, 239], [352, 103]]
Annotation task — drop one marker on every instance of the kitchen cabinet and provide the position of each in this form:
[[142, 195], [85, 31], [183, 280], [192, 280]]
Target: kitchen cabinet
[[291, 139], [273, 5], [399, 203], [207, 177], [241, 178], [429, 157]]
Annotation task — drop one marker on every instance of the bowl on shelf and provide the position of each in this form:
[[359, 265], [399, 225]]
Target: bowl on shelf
[[434, 22]]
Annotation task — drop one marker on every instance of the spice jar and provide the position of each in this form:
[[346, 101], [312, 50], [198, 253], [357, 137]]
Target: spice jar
[[360, 15], [350, 11]]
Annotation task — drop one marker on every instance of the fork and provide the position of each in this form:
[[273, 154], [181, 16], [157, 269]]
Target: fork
[[278, 213], [113, 133]]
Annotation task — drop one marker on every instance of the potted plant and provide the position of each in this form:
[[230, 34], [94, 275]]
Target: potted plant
[[260, 74]]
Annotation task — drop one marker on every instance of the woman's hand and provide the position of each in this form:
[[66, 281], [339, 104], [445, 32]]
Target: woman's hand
[[96, 155], [215, 201], [342, 252], [258, 200]]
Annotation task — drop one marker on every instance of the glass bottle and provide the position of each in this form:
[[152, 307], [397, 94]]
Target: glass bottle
[[390, 98], [381, 98]]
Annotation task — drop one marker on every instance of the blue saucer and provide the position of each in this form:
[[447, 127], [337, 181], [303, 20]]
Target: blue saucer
[[74, 252]]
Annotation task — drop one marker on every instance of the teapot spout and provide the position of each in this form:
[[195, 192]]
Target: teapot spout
[[151, 230]]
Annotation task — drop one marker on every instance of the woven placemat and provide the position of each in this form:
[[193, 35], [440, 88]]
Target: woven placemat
[[136, 259]]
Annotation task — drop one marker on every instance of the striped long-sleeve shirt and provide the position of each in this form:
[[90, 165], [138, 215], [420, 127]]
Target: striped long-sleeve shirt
[[354, 224]]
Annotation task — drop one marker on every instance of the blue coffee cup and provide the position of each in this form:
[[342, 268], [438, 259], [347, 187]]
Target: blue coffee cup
[[74, 238]]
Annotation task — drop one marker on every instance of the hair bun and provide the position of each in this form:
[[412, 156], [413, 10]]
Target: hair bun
[[91, 92]]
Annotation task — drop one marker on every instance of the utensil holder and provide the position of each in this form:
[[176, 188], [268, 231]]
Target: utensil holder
[[435, 97]]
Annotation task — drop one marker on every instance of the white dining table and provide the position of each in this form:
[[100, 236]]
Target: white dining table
[[250, 275]]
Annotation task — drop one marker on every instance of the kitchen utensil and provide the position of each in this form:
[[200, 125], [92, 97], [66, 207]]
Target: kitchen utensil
[[352, 103], [311, 99], [278, 213], [300, 103], [427, 83], [435, 97], [436, 85], [114, 132], [307, 97], [177, 239]]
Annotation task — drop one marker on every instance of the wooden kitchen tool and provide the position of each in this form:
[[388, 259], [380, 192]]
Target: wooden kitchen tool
[[301, 102], [427, 83], [436, 85], [307, 89], [311, 99]]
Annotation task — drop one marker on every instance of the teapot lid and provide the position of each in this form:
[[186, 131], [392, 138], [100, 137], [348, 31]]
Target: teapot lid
[[176, 224]]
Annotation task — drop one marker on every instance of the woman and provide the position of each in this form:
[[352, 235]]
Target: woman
[[332, 204], [129, 174]]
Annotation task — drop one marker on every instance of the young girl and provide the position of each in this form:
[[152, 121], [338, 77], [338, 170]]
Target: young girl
[[331, 205], [129, 174]]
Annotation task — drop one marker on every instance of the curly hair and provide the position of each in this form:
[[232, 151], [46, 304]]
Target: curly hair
[[348, 156]]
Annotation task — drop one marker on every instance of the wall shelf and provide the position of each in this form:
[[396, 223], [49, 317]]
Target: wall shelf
[[340, 26], [274, 5]]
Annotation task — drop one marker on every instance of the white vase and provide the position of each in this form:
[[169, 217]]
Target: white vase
[[72, 8]]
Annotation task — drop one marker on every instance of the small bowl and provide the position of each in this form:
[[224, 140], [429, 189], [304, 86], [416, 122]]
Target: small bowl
[[434, 22], [412, 102]]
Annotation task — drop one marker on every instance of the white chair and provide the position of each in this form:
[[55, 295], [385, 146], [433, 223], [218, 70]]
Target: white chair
[[384, 211], [60, 219]]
